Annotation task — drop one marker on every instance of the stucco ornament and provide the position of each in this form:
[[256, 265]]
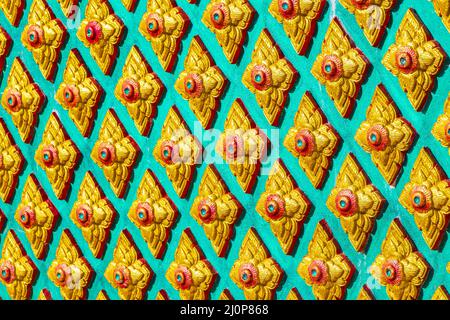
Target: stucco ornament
[[441, 129], [442, 8], [13, 10]]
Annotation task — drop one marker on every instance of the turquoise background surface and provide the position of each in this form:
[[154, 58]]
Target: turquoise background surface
[[422, 122]]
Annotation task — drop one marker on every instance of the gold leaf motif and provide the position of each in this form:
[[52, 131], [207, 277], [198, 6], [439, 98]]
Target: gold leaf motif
[[371, 15], [356, 202], [70, 271], [5, 46], [11, 163], [153, 213], [427, 197], [299, 20], [229, 20], [400, 267], [255, 271], [79, 93], [44, 36], [365, 294], [128, 272], [226, 295], [93, 214], [242, 145], [17, 270], [139, 90], [216, 210], [13, 10], [442, 8], [162, 295], [102, 295], [441, 129], [325, 267], [386, 135], [441, 294], [58, 156], [23, 100], [293, 295], [284, 206], [201, 82], [45, 295], [37, 216], [164, 25], [178, 151], [130, 5], [415, 59], [115, 152], [2, 220], [269, 76], [190, 273], [341, 68], [312, 140], [101, 31], [69, 7]]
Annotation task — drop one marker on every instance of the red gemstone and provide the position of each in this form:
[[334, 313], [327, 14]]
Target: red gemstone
[[274, 207], [183, 277], [332, 67], [84, 215], [378, 137], [35, 36], [27, 217], [130, 90], [93, 32], [346, 203], [7, 272], [392, 272], [248, 275], [144, 213], [219, 16], [122, 277], [304, 142], [233, 147], [49, 156], [71, 96], [318, 272], [169, 152], [206, 210], [421, 198], [261, 77], [361, 4], [155, 25], [106, 153], [193, 85], [288, 8], [13, 100], [406, 59]]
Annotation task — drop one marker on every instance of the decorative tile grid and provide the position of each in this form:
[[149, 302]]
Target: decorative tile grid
[[118, 262]]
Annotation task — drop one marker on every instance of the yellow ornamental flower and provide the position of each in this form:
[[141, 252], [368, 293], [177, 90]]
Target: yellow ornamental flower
[[386, 135], [201, 82], [325, 268], [164, 25], [216, 210], [153, 213], [37, 216], [341, 68], [427, 197], [299, 20], [17, 270], [441, 129], [255, 271], [139, 90], [101, 31], [13, 10], [356, 202], [442, 8], [79, 93], [400, 267], [415, 59], [128, 272], [70, 271], [229, 20], [190, 273], [5, 46], [284, 206], [269, 76], [44, 36], [312, 140]]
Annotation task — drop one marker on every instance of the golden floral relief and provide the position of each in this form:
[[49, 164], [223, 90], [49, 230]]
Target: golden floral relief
[[400, 267], [128, 272], [13, 10], [427, 197], [441, 129], [229, 20], [299, 20], [442, 8], [325, 267], [69, 7], [341, 68], [284, 206], [154, 213], [130, 5], [312, 140], [5, 46], [139, 90], [190, 273], [201, 83], [270, 77], [415, 59]]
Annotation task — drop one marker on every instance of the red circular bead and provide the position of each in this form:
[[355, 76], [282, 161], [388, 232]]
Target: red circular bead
[[62, 273], [13, 100], [144, 214], [49, 156], [84, 215], [183, 277], [71, 95], [7, 272], [193, 85], [169, 152], [274, 207], [421, 198], [155, 25], [346, 203], [288, 8], [106, 153], [122, 277], [93, 32], [206, 210], [392, 272], [248, 275], [447, 131], [219, 16], [318, 272], [233, 147], [261, 77], [304, 142], [378, 137], [130, 90], [27, 217], [35, 36], [406, 59], [332, 67]]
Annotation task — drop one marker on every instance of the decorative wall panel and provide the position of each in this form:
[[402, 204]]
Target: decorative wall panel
[[224, 149]]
